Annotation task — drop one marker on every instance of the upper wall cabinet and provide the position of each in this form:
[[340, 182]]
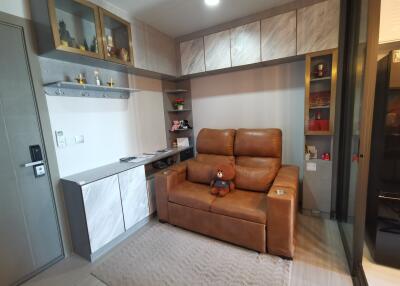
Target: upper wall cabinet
[[117, 38], [318, 27], [218, 50], [76, 27], [153, 50], [245, 44], [278, 36], [192, 56]]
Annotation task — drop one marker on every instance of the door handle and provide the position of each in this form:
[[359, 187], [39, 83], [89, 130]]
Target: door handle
[[32, 164]]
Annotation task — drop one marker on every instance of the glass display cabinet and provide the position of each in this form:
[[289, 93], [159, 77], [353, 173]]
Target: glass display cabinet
[[75, 25], [117, 38], [321, 69]]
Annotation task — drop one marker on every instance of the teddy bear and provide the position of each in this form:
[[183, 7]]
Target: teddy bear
[[223, 180], [175, 125]]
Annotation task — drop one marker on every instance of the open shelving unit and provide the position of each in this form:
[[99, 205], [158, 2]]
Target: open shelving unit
[[319, 113], [74, 89], [173, 90]]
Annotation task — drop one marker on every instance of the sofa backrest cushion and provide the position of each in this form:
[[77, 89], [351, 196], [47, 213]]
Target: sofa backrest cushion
[[215, 159], [215, 141], [199, 172], [258, 143], [254, 179]]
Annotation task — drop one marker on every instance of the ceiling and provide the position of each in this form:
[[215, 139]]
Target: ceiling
[[180, 17]]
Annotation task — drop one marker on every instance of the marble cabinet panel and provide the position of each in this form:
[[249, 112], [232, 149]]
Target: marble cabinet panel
[[151, 192], [134, 195], [192, 56], [218, 50], [153, 50], [278, 36], [318, 27], [103, 211], [245, 44]]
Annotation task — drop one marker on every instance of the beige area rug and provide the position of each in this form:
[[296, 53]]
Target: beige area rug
[[167, 255]]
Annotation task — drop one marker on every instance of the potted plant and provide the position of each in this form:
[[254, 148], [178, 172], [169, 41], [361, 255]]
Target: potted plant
[[179, 103]]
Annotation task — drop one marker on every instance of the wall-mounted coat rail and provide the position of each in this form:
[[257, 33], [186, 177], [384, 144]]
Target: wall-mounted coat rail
[[65, 88]]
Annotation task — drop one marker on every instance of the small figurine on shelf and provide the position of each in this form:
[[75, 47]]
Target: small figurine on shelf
[[93, 46], [65, 36], [320, 70], [175, 125], [326, 157], [85, 44], [111, 50], [97, 78], [80, 79], [184, 124], [123, 55], [179, 103], [111, 82]]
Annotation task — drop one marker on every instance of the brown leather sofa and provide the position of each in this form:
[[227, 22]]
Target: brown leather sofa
[[259, 214]]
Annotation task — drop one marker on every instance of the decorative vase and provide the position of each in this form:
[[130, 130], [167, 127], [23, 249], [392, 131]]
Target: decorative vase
[[179, 107]]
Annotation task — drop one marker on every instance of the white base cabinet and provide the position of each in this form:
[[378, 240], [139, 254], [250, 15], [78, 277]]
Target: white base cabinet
[[103, 211], [134, 198]]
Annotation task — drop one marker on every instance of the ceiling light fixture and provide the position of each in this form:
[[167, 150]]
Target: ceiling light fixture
[[211, 2]]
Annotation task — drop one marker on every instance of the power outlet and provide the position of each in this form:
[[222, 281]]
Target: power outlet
[[80, 139]]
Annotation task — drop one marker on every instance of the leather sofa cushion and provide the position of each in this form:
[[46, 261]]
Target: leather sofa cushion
[[215, 141], [258, 143], [259, 162], [215, 159], [192, 195], [250, 206], [199, 172], [288, 177], [254, 179]]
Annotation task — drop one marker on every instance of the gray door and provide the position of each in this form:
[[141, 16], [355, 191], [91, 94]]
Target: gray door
[[29, 233]]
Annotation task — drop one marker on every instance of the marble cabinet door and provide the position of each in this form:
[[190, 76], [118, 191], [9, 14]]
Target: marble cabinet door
[[318, 27], [134, 195], [151, 192], [192, 56], [103, 211], [218, 51], [245, 44], [278, 36]]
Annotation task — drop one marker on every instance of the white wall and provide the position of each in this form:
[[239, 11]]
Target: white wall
[[106, 124], [112, 128], [269, 97], [18, 8], [389, 30]]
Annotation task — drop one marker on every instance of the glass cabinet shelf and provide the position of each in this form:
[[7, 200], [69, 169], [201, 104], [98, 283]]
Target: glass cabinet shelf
[[117, 38], [76, 27], [320, 92]]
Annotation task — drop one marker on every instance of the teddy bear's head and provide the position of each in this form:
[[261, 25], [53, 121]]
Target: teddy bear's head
[[225, 172]]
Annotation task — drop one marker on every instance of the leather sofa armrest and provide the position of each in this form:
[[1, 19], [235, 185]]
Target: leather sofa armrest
[[282, 211], [165, 181]]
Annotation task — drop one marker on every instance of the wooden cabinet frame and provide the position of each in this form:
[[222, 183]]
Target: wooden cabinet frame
[[56, 33], [102, 13], [334, 54]]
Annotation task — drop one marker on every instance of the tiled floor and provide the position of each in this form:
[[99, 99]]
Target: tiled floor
[[379, 275], [319, 260]]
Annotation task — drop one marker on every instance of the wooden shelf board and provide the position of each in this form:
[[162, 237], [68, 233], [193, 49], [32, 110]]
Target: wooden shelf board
[[323, 133], [176, 91], [320, 78], [176, 110], [180, 130], [92, 87], [320, 107]]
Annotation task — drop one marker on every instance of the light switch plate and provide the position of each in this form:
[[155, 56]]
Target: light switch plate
[[61, 139], [311, 166]]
